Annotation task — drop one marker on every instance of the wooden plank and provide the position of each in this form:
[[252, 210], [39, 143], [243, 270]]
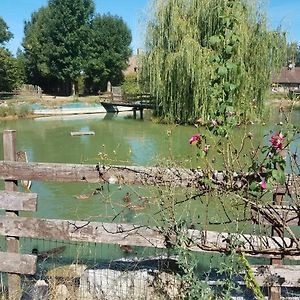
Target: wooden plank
[[137, 235], [99, 173], [117, 174], [17, 263], [268, 214], [80, 133], [16, 201], [277, 230], [12, 243]]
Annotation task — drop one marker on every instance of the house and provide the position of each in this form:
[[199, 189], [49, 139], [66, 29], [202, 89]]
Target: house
[[133, 63], [287, 79]]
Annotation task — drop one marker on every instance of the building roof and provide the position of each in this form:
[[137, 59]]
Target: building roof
[[288, 75]]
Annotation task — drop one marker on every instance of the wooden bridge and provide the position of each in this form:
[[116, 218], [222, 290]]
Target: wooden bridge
[[138, 102]]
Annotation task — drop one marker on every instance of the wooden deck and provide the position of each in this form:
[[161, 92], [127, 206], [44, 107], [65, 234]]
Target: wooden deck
[[136, 102], [114, 107]]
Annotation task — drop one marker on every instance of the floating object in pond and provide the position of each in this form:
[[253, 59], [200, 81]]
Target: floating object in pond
[[127, 198], [135, 207], [48, 253], [82, 197], [97, 191], [22, 156], [126, 248], [80, 133]]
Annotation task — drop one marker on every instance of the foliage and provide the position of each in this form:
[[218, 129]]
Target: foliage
[[208, 54], [10, 73], [109, 51], [130, 84], [20, 111], [251, 171], [5, 34], [293, 54], [55, 42], [65, 42]]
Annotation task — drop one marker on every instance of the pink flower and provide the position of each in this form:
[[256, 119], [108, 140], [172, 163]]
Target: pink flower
[[263, 184], [195, 139], [277, 141]]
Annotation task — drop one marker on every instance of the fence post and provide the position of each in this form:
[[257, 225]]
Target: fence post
[[12, 243], [275, 291]]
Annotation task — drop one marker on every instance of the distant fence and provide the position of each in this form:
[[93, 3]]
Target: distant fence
[[12, 226], [8, 95], [24, 90]]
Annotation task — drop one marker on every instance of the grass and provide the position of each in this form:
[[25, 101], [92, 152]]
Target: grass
[[15, 110]]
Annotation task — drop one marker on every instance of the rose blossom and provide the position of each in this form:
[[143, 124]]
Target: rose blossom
[[195, 139], [277, 141]]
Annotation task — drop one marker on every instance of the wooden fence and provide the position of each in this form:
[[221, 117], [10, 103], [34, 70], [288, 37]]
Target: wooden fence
[[276, 247]]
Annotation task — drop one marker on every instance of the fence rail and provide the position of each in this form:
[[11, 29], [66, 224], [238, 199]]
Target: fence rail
[[127, 175]]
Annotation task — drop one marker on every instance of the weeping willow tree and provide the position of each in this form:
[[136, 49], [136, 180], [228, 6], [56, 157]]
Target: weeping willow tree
[[209, 58]]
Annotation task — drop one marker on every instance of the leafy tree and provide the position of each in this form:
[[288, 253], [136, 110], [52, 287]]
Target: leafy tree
[[209, 59], [9, 71], [5, 34], [297, 56], [36, 49], [109, 50], [292, 49], [56, 41], [64, 44], [10, 74]]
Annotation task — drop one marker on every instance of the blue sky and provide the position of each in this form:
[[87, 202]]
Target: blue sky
[[15, 12]]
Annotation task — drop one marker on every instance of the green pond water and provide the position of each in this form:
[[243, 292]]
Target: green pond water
[[117, 140]]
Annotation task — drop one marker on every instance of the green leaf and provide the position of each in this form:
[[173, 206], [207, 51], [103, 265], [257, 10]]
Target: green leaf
[[213, 40], [278, 176], [222, 71], [231, 66], [201, 154]]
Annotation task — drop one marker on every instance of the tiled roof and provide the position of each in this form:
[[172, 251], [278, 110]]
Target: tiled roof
[[288, 76]]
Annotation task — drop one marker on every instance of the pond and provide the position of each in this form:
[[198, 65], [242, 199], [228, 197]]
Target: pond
[[118, 140]]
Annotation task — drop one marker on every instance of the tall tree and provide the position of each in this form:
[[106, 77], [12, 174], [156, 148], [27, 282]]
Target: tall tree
[[209, 58], [64, 43], [36, 49], [5, 34], [292, 51], [56, 41], [10, 74], [9, 71], [298, 57], [109, 51]]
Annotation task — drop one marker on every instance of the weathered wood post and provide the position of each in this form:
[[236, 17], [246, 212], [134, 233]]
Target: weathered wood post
[[12, 243], [141, 113], [275, 291]]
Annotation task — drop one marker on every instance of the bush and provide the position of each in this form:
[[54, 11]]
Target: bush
[[23, 111], [15, 110], [130, 85]]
